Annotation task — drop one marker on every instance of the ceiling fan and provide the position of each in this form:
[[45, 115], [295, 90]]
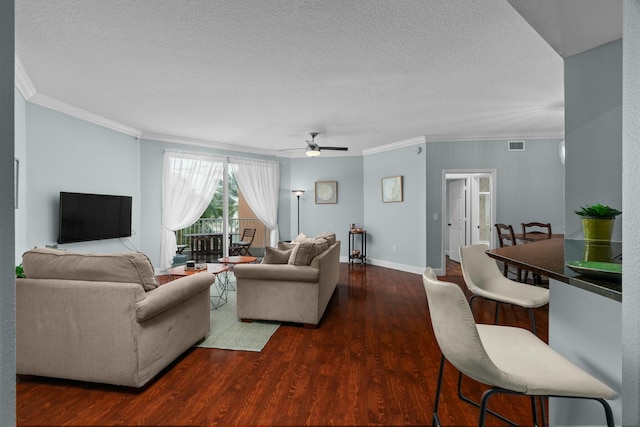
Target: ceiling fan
[[313, 149]]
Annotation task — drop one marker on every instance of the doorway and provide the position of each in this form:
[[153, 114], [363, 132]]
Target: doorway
[[468, 206]]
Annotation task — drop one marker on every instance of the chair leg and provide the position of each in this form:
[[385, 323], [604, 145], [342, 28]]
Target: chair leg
[[534, 411], [608, 413], [435, 421], [464, 398], [533, 321], [484, 410]]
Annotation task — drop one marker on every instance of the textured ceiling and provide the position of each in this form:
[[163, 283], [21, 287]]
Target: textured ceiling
[[262, 74]]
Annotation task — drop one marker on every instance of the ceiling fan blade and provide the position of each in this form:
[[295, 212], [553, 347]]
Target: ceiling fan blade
[[335, 148]]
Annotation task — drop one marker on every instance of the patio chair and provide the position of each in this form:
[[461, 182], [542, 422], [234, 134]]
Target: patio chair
[[241, 247]]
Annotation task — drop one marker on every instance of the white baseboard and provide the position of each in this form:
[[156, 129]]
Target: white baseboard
[[395, 266]]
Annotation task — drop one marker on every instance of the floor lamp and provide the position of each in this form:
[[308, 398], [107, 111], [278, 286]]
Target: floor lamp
[[298, 193]]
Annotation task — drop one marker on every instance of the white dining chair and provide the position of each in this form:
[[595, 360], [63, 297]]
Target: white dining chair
[[508, 359], [484, 279]]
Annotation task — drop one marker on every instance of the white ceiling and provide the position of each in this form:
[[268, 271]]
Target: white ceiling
[[262, 74]]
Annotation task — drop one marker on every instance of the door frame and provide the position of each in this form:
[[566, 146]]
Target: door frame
[[464, 174]]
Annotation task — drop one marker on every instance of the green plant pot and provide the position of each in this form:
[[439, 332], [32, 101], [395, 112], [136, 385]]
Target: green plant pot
[[598, 251], [598, 229]]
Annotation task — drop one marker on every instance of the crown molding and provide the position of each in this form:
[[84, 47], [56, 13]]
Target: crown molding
[[495, 136], [395, 145], [29, 93], [22, 80], [205, 143], [81, 114]]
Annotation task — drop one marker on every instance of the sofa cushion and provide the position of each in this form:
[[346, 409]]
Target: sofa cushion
[[132, 267], [300, 254], [276, 256]]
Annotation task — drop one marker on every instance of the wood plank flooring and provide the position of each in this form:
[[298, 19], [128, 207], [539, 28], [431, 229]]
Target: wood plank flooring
[[373, 360]]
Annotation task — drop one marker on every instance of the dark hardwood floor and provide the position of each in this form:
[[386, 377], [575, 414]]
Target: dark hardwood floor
[[373, 360]]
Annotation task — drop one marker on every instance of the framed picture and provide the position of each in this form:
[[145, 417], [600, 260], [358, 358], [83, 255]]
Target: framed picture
[[326, 192], [392, 189]]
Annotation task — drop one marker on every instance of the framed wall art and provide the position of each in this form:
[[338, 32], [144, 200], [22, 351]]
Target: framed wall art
[[326, 192], [392, 189]]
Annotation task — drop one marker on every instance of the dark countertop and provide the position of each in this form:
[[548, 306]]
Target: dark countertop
[[548, 257]]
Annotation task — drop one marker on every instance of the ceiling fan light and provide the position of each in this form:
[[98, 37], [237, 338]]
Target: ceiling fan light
[[313, 152]]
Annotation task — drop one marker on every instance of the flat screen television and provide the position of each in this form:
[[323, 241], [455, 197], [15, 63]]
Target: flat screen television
[[85, 217]]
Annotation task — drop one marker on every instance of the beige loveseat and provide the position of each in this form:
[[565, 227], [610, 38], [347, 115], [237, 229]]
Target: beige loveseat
[[103, 318], [288, 292]]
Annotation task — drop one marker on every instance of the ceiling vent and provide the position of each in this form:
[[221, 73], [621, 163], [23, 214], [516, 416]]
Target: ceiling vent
[[516, 145]]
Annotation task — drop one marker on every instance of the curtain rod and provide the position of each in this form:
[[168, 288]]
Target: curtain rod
[[229, 158]]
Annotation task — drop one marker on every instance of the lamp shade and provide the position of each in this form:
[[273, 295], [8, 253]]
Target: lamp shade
[[298, 192]]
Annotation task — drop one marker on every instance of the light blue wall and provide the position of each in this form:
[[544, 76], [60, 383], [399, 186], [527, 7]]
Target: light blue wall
[[399, 224], [631, 223], [64, 153], [593, 130], [21, 154], [583, 327], [67, 154], [530, 184], [316, 218], [7, 233]]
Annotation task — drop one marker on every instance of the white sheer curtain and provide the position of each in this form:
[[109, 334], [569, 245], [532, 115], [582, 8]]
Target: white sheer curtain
[[259, 183], [188, 184]]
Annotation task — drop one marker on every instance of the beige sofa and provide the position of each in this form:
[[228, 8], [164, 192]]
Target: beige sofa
[[103, 318], [287, 292]]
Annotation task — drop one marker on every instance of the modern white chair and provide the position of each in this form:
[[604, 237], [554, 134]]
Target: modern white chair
[[484, 279], [507, 359]]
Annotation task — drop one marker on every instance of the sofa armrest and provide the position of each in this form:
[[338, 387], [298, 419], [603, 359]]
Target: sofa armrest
[[283, 272], [166, 296]]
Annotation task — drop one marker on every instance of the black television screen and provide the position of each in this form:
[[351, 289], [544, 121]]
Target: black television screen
[[86, 217]]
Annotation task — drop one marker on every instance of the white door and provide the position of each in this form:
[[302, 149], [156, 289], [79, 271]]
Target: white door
[[457, 218]]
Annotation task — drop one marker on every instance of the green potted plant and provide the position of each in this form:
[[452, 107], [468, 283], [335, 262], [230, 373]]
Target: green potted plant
[[597, 222], [20, 272]]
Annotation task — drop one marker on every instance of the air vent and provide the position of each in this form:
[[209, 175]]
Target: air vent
[[516, 145]]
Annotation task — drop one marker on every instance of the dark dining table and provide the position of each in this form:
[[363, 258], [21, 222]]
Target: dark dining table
[[548, 258], [536, 237]]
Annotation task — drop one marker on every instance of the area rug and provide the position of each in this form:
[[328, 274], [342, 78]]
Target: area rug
[[229, 333]]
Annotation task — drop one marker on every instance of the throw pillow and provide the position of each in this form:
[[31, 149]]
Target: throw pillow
[[283, 246], [330, 236], [299, 238], [319, 245], [300, 254], [275, 256]]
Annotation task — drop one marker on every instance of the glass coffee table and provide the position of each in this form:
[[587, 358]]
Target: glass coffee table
[[220, 284], [232, 261]]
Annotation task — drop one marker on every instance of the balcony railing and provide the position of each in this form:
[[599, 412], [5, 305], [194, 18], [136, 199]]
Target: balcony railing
[[235, 227]]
